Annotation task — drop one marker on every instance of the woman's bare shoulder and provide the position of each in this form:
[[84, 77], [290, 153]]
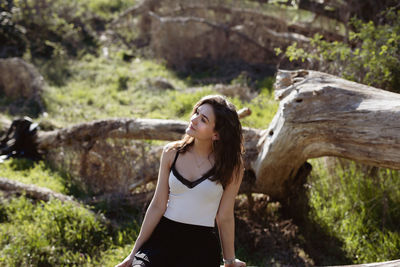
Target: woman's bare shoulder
[[171, 146], [169, 151]]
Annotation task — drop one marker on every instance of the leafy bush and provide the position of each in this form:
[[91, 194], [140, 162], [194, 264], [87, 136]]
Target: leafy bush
[[52, 23], [107, 9], [49, 234], [371, 57], [12, 39]]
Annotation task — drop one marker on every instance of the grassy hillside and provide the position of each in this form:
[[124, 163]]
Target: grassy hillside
[[97, 88], [104, 88], [352, 214]]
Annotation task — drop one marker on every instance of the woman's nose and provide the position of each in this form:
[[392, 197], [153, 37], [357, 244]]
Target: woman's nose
[[194, 119]]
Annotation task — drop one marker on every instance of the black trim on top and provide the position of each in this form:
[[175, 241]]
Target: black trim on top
[[183, 180]]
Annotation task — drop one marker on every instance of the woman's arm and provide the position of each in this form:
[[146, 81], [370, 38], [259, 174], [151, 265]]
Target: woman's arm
[[157, 205], [225, 219]]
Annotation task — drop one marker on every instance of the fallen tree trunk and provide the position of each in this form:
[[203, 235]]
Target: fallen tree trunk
[[33, 191], [142, 7], [155, 129], [393, 263], [119, 167], [285, 37], [323, 115], [45, 194], [305, 29]]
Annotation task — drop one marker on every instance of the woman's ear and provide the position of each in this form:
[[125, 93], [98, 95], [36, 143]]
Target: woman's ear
[[215, 136]]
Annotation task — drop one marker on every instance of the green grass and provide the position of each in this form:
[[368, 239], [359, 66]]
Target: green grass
[[108, 9], [360, 210], [37, 173], [102, 88]]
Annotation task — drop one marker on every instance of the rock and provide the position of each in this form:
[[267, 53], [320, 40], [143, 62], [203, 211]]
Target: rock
[[22, 84], [19, 79], [243, 92], [159, 83]]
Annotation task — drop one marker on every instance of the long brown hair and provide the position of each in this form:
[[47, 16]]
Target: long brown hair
[[228, 149]]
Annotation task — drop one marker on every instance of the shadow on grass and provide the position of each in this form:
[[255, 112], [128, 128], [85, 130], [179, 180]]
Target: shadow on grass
[[321, 246], [204, 72]]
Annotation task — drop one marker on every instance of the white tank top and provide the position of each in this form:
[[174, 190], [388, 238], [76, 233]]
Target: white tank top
[[194, 202]]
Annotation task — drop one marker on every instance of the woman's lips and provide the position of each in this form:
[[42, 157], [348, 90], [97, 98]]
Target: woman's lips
[[191, 127]]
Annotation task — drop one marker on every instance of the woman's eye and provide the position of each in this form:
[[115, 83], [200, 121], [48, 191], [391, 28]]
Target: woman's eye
[[202, 118]]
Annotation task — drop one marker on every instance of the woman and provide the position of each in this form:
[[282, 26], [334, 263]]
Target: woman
[[198, 181]]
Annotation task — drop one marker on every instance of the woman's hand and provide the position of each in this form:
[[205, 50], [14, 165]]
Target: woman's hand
[[237, 263], [126, 263]]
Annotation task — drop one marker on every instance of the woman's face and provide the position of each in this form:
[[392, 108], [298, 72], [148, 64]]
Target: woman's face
[[202, 123]]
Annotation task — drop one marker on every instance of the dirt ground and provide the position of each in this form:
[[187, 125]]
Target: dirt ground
[[266, 236]]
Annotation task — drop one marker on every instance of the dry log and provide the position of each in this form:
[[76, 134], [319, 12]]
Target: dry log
[[298, 29], [87, 136], [286, 37], [323, 115], [45, 194], [338, 12], [393, 263], [33, 191], [244, 112], [87, 133], [141, 8], [135, 200], [211, 24], [4, 124]]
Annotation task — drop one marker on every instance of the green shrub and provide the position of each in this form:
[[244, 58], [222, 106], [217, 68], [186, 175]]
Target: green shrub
[[48, 23], [12, 39], [107, 9], [49, 234], [372, 55]]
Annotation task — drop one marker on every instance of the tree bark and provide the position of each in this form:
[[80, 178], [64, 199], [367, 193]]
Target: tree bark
[[323, 115]]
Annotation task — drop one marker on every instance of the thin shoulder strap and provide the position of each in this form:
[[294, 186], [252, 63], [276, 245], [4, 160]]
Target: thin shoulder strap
[[176, 156]]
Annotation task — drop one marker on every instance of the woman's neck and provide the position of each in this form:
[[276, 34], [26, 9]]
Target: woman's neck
[[202, 148]]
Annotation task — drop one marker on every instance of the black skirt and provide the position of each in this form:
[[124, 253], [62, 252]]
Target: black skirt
[[175, 244]]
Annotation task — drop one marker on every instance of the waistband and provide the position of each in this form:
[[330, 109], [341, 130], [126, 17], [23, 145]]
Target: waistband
[[186, 226]]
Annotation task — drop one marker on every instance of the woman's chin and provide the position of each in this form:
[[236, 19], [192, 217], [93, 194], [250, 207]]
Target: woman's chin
[[189, 132]]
